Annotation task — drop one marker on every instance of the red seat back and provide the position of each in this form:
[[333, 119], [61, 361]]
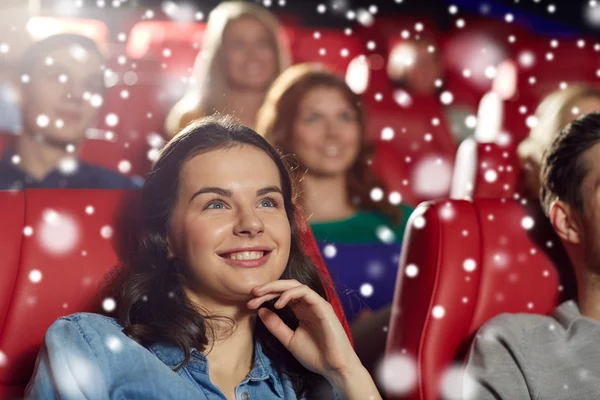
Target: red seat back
[[38, 283], [328, 46], [486, 170], [462, 264]]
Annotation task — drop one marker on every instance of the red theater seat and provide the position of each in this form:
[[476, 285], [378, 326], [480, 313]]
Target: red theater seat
[[38, 285], [422, 143], [485, 170], [328, 46], [462, 264], [138, 102]]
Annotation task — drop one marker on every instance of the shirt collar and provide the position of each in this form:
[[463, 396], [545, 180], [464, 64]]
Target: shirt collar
[[568, 313], [262, 368]]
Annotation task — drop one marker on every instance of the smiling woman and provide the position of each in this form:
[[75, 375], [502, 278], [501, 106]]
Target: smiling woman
[[218, 244], [243, 51]]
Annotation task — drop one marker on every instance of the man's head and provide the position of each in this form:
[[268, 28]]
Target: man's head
[[570, 193], [61, 87]]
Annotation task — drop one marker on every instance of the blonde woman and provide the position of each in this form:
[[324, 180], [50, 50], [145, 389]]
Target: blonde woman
[[243, 51], [554, 112]]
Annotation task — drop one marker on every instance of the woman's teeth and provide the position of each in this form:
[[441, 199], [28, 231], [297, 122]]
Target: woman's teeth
[[246, 255], [332, 151]]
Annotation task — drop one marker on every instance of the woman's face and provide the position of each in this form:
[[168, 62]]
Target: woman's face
[[326, 137], [249, 54], [229, 227]]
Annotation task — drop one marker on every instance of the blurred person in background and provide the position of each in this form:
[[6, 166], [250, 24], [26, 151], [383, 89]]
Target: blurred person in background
[[312, 114], [554, 113], [414, 66], [59, 76], [242, 53], [10, 113]]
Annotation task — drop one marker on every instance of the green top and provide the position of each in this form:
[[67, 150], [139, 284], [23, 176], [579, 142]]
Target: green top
[[364, 227]]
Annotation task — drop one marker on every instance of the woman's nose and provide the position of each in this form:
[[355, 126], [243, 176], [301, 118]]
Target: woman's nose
[[249, 223]]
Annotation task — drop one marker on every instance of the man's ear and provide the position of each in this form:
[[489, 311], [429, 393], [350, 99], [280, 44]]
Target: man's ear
[[566, 222]]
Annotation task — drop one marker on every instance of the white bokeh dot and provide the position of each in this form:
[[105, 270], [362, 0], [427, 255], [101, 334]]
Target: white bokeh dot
[[28, 231], [397, 374], [395, 198], [527, 223], [456, 384], [124, 166], [68, 165], [446, 98], [385, 234], [438, 312], [366, 290], [114, 344], [109, 304], [419, 222], [58, 232], [469, 265], [376, 194], [411, 270], [35, 276], [106, 232], [490, 176], [96, 100], [471, 121], [89, 210], [531, 121], [329, 251], [387, 133], [42, 121], [112, 120]]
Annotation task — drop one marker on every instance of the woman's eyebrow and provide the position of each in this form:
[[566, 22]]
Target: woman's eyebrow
[[268, 189], [216, 190]]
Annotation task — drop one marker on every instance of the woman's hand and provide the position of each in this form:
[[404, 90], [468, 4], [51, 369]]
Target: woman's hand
[[319, 343]]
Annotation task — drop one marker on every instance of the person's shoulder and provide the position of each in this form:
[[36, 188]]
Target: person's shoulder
[[183, 112], [517, 327], [91, 320], [108, 179]]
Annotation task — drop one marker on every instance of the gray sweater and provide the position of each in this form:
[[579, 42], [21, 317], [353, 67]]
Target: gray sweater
[[526, 356]]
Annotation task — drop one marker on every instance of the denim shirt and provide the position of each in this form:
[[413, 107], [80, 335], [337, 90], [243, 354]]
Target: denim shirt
[[88, 356]]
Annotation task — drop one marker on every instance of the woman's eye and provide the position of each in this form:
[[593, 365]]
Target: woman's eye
[[268, 203], [215, 205], [312, 118], [347, 116]]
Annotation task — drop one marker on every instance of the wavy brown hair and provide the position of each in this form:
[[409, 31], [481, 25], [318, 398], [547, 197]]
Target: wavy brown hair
[[152, 305], [278, 115]]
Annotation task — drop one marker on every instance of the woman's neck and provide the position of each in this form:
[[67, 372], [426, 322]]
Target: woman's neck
[[326, 198], [231, 348], [232, 351], [244, 105], [37, 159]]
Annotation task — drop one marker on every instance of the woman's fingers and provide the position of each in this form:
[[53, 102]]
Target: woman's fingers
[[278, 286], [299, 292], [276, 326], [258, 301]]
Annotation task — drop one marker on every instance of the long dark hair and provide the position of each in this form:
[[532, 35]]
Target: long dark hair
[[152, 305]]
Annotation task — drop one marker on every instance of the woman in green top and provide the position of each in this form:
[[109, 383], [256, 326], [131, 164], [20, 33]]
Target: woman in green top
[[311, 113]]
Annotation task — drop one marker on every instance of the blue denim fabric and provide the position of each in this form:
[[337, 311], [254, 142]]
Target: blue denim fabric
[[86, 356]]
